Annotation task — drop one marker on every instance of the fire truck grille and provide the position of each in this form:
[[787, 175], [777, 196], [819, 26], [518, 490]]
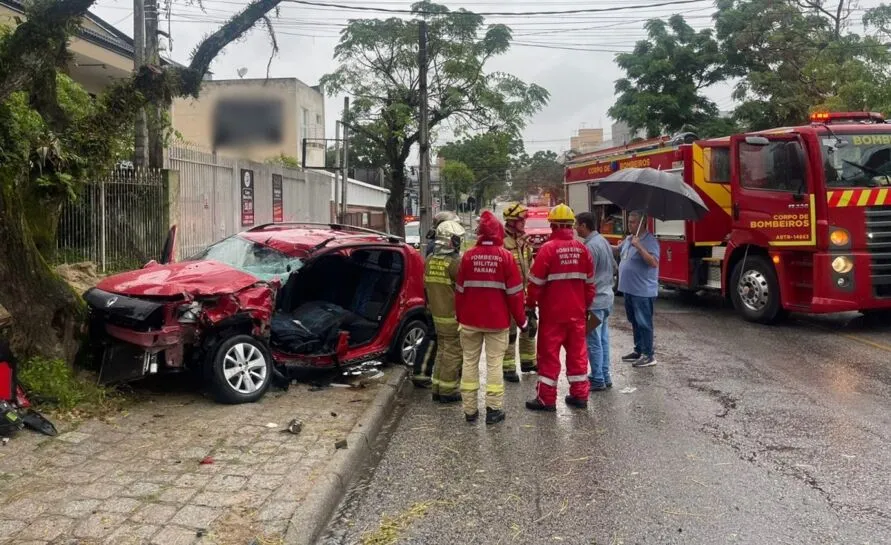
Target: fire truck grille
[[878, 242]]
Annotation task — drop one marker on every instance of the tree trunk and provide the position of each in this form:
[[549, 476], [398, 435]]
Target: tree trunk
[[396, 199], [46, 313]]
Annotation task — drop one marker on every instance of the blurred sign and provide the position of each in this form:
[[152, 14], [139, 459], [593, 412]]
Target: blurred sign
[[278, 211], [247, 121], [247, 198]]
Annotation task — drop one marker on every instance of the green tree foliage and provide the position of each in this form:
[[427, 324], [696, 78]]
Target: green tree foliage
[[666, 75], [53, 138], [536, 173], [796, 57], [489, 156], [457, 178], [378, 67]]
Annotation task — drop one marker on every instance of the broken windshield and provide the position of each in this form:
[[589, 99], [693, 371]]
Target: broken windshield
[[857, 160], [250, 257]]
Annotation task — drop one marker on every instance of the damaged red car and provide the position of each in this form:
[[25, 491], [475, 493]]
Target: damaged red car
[[253, 306]]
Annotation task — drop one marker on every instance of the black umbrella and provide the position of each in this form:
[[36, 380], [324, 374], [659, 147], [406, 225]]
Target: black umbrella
[[660, 194]]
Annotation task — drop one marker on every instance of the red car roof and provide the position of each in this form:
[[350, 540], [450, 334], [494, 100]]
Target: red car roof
[[294, 240]]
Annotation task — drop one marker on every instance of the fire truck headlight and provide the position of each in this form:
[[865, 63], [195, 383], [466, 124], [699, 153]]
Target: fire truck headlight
[[839, 237], [842, 264]]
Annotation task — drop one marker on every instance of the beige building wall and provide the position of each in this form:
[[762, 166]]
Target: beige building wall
[[586, 139], [94, 65], [302, 106]]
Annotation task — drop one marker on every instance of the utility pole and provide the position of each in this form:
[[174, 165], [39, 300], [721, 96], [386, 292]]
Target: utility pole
[[140, 151], [346, 158], [423, 129], [153, 57], [338, 187]]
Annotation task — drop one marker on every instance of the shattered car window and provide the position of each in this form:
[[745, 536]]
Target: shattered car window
[[250, 257]]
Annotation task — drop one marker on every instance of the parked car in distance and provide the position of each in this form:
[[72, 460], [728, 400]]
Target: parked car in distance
[[254, 305], [413, 234], [538, 230]]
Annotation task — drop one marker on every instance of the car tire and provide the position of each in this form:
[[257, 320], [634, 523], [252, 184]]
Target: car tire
[[411, 343], [241, 370], [755, 291]]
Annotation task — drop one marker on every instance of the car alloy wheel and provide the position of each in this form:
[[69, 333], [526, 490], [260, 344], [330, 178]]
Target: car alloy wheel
[[411, 344], [245, 368]]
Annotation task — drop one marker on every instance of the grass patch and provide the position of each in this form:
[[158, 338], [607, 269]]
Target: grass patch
[[53, 384], [393, 527]]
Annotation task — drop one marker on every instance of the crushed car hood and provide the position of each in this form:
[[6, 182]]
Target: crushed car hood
[[199, 278]]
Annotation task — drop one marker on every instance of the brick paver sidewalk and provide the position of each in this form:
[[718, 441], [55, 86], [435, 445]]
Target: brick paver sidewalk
[[137, 478]]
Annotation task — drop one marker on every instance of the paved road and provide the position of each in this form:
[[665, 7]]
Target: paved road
[[742, 434]]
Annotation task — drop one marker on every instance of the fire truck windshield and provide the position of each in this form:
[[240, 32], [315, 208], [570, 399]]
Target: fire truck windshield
[[857, 160]]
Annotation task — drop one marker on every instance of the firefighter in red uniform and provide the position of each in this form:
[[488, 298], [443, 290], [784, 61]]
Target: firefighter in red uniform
[[561, 283], [488, 294]]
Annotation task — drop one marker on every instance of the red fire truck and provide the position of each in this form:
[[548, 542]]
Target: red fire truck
[[799, 217]]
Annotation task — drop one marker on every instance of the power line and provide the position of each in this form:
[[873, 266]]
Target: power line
[[498, 13]]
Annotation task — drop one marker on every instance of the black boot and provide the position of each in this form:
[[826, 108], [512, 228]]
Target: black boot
[[511, 376], [537, 405], [435, 396], [494, 416], [471, 417], [576, 402], [528, 367], [450, 398]]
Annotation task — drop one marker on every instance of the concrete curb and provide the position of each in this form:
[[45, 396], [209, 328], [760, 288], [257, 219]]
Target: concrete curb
[[313, 514]]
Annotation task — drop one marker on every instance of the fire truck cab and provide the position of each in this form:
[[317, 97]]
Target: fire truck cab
[[799, 217]]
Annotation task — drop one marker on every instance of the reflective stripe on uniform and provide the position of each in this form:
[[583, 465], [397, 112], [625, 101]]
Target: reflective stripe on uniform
[[459, 288], [515, 289], [547, 381], [437, 280], [576, 378], [527, 357], [443, 385], [469, 386], [590, 280], [568, 276], [485, 284], [444, 320], [494, 388], [536, 280]]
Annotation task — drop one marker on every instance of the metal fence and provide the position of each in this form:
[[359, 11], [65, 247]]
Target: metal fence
[[118, 222], [210, 201], [121, 222]]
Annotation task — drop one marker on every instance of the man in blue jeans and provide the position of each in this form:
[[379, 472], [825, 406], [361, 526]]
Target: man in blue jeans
[[639, 283], [604, 271]]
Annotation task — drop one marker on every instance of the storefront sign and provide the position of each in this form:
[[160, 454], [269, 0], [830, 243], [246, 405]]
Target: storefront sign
[[247, 198], [278, 210]]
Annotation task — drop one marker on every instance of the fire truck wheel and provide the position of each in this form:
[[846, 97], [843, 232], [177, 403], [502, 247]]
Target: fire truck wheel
[[241, 370], [756, 291]]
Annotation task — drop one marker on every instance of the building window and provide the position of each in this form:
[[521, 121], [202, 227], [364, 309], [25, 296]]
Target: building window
[[304, 130], [774, 167], [318, 121]]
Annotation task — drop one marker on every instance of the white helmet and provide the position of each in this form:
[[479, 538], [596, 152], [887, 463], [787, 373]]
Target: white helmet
[[448, 229]]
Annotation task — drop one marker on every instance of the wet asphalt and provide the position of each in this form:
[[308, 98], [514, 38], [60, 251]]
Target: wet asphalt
[[741, 434]]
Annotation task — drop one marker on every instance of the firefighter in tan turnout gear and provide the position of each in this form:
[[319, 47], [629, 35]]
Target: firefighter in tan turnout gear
[[516, 243], [440, 275]]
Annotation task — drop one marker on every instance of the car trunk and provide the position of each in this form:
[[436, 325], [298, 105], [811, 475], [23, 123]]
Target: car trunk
[[333, 295]]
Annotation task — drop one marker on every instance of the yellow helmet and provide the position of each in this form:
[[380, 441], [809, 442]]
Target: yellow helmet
[[561, 214], [515, 211]]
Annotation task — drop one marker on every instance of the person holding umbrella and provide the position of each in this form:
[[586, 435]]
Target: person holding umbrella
[[663, 195], [639, 282]]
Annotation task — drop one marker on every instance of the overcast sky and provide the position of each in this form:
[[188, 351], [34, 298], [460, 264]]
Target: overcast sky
[[571, 55]]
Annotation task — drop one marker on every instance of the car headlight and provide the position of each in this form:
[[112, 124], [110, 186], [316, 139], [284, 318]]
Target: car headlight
[[839, 237], [188, 314], [842, 264]]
